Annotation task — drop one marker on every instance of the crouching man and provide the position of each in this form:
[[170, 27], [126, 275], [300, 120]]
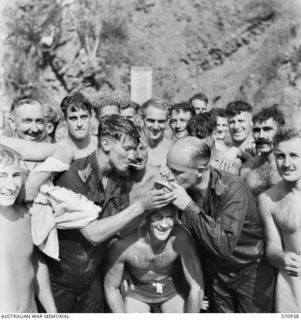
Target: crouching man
[[163, 265], [23, 273]]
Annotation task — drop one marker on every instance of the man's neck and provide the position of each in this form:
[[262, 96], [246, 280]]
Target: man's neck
[[154, 143], [156, 245], [243, 144], [103, 162], [294, 186], [80, 144], [269, 157]]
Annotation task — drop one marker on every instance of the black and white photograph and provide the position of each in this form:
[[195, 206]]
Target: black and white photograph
[[150, 158]]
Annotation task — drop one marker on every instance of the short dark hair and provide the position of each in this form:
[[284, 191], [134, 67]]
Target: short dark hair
[[17, 102], [130, 104], [202, 125], [286, 135], [182, 106], [155, 102], [116, 126], [236, 107], [219, 112], [199, 96], [271, 112], [76, 101]]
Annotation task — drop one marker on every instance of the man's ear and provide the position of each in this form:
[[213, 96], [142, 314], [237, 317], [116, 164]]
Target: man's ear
[[106, 144], [49, 128], [200, 170], [11, 122]]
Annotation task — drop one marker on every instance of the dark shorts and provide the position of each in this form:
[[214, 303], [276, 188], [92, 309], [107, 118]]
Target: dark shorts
[[157, 292]]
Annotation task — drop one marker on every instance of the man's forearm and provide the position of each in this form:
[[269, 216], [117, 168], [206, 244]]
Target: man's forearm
[[103, 229], [208, 231], [194, 301], [115, 301]]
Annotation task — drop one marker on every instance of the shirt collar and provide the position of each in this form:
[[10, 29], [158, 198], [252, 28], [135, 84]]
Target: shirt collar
[[216, 183]]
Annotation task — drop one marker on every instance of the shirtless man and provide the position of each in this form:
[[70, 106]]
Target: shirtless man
[[179, 114], [280, 212], [77, 110], [22, 270], [150, 255], [240, 126], [260, 172], [155, 113]]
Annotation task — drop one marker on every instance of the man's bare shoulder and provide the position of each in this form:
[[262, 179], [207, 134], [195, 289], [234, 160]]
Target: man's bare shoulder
[[274, 194], [252, 163], [125, 245]]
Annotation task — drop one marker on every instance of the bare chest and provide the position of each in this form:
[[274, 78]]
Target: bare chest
[[16, 241], [287, 214], [147, 260], [261, 178]]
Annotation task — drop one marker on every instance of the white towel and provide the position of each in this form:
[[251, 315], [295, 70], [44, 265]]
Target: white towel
[[57, 207]]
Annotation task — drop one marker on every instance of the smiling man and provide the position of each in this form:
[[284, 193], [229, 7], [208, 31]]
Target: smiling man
[[280, 212], [154, 113], [179, 114], [22, 270], [260, 172], [27, 119], [77, 110], [222, 216], [152, 256], [240, 126]]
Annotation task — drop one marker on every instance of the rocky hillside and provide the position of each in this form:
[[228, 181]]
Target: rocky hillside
[[228, 49]]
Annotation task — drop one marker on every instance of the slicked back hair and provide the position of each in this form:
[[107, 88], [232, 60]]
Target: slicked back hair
[[270, 113], [155, 102], [74, 102], [202, 125], [116, 127], [17, 102], [182, 106], [236, 107]]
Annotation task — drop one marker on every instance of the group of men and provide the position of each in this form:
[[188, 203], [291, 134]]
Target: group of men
[[178, 227]]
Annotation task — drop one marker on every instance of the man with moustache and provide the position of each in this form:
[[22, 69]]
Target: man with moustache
[[222, 216], [179, 114], [280, 212], [154, 113], [27, 119], [260, 173]]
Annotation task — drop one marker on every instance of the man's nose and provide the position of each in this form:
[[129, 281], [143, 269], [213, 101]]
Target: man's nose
[[10, 183], [131, 155], [287, 162], [261, 134], [164, 223], [156, 125], [178, 124], [34, 127]]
